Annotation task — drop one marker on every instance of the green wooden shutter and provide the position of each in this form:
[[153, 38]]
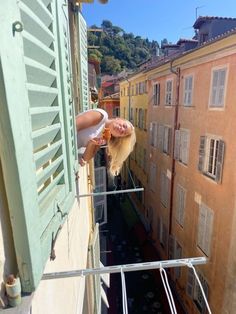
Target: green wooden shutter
[[83, 63], [36, 115]]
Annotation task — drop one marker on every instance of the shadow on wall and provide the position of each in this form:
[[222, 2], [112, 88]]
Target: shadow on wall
[[8, 264]]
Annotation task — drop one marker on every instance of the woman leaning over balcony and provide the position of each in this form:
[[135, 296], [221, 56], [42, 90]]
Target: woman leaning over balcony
[[94, 129]]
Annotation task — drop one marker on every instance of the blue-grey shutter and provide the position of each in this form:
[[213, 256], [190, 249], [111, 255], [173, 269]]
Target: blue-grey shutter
[[201, 159], [219, 161], [37, 163], [177, 145]]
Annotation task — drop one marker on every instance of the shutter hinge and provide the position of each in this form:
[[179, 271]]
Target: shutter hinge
[[53, 253]]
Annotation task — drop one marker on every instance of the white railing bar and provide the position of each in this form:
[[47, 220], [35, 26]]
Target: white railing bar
[[126, 268], [112, 192]]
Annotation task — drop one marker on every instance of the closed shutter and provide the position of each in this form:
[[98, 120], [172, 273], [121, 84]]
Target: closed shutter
[[202, 148], [208, 231], [160, 137], [100, 201], [202, 226], [95, 255], [180, 206], [184, 146], [190, 283], [37, 162], [177, 145], [83, 63], [219, 161]]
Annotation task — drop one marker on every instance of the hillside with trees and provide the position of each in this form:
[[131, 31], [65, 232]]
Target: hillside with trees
[[119, 50]]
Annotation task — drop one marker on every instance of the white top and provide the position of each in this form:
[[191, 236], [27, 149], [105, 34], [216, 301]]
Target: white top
[[83, 136]]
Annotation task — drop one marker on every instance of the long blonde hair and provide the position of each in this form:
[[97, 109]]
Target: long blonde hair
[[119, 149]]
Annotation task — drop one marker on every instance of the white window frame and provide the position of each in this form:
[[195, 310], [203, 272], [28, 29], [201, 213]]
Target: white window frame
[[188, 91], [205, 228], [217, 89], [211, 156], [180, 204], [168, 92]]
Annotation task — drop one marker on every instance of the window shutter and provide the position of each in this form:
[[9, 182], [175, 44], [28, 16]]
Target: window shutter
[[220, 160], [100, 201], [201, 159], [169, 140], [171, 247], [208, 231], [37, 162], [190, 283], [184, 146], [177, 144], [83, 60], [160, 137], [201, 226], [95, 261], [214, 88]]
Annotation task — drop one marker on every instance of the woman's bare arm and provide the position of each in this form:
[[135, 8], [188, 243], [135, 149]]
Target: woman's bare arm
[[90, 151], [88, 119]]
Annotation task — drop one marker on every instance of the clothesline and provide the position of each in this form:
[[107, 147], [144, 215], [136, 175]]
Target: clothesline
[[126, 268]]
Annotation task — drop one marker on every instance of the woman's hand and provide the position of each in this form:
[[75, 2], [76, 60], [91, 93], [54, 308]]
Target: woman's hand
[[99, 141]]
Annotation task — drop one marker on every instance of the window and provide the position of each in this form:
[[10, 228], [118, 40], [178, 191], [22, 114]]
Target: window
[[162, 135], [100, 201], [167, 140], [41, 145], [218, 88], [116, 112], [205, 225], [211, 157], [193, 289], [156, 94], [136, 88], [180, 204], [188, 89], [168, 96], [153, 176], [162, 233], [141, 118], [131, 115], [153, 134], [182, 139], [165, 189], [175, 252]]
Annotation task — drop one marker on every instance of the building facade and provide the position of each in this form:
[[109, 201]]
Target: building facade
[[190, 190]]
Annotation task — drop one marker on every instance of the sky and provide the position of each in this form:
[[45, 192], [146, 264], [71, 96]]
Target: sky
[[157, 19]]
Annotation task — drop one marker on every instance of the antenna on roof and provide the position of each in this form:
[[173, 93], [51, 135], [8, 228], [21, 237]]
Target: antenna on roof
[[196, 11]]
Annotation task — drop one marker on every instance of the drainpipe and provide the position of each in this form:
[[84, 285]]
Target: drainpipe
[[176, 127]]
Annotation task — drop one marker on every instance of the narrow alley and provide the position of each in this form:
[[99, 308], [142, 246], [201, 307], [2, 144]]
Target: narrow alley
[[127, 242]]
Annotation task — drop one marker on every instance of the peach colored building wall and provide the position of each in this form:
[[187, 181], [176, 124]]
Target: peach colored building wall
[[201, 191], [199, 120]]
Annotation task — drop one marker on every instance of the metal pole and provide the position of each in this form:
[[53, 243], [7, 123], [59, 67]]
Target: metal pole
[[111, 192], [126, 268]]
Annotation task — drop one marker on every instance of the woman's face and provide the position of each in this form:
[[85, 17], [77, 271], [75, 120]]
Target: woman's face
[[120, 127]]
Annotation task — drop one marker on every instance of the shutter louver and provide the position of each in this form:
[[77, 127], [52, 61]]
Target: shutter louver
[[177, 144], [41, 163], [201, 159], [220, 160]]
